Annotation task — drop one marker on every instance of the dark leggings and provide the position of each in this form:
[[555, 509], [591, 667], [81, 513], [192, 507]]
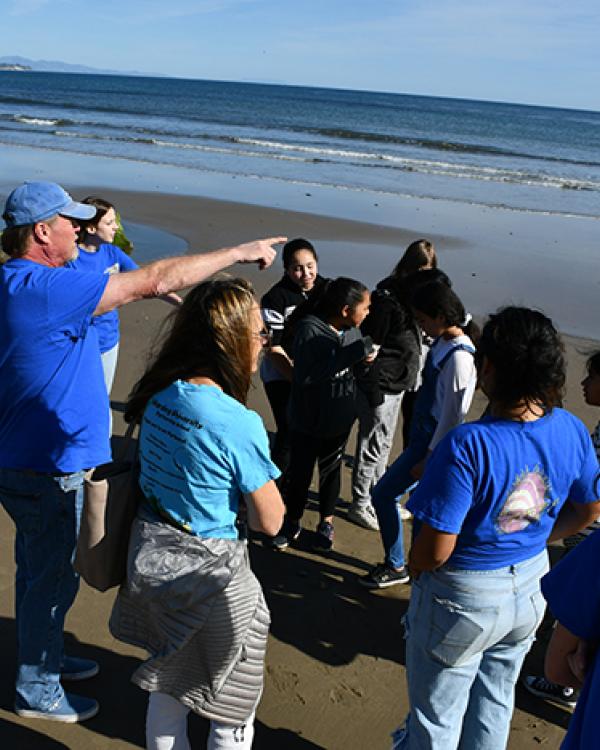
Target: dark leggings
[[305, 450], [278, 393]]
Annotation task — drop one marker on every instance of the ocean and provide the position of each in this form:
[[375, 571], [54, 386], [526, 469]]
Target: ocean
[[505, 155]]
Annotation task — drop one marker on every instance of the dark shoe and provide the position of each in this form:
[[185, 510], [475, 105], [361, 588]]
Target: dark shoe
[[75, 669], [382, 577], [543, 688], [289, 532], [70, 709], [324, 540]]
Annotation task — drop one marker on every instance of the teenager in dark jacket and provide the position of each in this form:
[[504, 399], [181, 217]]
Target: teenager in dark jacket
[[382, 384], [327, 344], [299, 281]]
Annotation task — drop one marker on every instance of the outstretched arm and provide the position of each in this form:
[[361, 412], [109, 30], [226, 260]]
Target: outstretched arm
[[170, 274]]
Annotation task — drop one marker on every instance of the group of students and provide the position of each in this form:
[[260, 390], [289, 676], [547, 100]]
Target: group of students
[[486, 497], [494, 493], [339, 354]]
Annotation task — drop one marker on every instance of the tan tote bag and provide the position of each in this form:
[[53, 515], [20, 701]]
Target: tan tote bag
[[111, 497]]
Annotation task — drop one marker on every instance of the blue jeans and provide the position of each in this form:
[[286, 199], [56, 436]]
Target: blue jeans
[[46, 511], [467, 634], [385, 495]]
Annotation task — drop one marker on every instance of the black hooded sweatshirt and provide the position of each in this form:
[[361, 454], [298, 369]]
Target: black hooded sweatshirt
[[323, 385]]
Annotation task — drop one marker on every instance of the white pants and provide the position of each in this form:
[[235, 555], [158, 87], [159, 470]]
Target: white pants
[[376, 429], [166, 728], [109, 366]]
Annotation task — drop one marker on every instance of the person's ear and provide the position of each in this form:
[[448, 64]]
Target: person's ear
[[40, 232], [345, 312], [90, 230]]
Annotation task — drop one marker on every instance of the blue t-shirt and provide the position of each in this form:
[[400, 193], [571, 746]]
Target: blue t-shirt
[[199, 451], [572, 590], [53, 400], [107, 259], [500, 485]]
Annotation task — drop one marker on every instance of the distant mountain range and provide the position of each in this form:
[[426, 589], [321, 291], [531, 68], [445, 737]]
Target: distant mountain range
[[56, 66]]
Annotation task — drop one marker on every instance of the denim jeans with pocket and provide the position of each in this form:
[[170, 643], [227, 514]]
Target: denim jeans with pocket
[[46, 511], [467, 634]]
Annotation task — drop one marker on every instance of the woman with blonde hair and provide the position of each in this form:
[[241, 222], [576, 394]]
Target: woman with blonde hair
[[190, 598]]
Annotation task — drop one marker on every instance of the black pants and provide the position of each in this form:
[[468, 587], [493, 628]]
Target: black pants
[[305, 450], [278, 392]]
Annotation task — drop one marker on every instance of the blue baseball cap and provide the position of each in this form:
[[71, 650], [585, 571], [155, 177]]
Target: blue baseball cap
[[35, 201]]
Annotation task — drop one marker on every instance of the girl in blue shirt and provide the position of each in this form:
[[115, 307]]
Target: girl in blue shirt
[[98, 254], [493, 494]]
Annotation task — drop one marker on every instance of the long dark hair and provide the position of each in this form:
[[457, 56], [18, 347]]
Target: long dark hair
[[418, 254], [439, 300], [102, 208], [336, 294], [592, 364], [528, 358], [326, 300], [210, 334]]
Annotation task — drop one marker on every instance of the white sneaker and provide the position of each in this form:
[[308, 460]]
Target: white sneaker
[[405, 514], [364, 516]]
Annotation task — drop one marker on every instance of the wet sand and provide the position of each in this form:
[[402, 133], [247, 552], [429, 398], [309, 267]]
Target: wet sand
[[335, 676]]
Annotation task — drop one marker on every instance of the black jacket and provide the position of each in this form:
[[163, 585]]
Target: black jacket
[[280, 301], [323, 385], [390, 323]]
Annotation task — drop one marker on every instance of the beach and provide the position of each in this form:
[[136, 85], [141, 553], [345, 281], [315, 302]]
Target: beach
[[335, 676]]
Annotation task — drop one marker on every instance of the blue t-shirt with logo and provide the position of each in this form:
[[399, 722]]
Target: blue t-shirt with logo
[[572, 590], [53, 401], [200, 450], [500, 485], [107, 259]]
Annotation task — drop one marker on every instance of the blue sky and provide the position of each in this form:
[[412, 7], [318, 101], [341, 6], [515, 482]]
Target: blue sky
[[532, 51]]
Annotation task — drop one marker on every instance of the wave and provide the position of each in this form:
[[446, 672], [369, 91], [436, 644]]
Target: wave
[[295, 153], [41, 121], [259, 148], [343, 135], [327, 184], [440, 145], [340, 134], [36, 120]]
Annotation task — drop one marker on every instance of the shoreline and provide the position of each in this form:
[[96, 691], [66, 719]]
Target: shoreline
[[494, 256]]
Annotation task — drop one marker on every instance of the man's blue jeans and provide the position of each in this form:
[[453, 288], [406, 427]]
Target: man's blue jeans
[[46, 511], [467, 634]]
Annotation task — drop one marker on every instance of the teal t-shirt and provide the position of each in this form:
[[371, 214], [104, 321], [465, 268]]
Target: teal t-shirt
[[200, 450]]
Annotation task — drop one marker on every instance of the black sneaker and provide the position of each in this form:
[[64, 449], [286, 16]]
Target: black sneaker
[[543, 688], [289, 532], [324, 540], [382, 577]]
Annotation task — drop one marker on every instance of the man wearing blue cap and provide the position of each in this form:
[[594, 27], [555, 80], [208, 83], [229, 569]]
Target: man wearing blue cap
[[54, 416]]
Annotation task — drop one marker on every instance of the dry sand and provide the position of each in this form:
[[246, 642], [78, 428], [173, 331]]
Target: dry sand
[[335, 676]]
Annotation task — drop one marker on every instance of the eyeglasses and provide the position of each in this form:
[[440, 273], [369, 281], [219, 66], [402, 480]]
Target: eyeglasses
[[263, 335]]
